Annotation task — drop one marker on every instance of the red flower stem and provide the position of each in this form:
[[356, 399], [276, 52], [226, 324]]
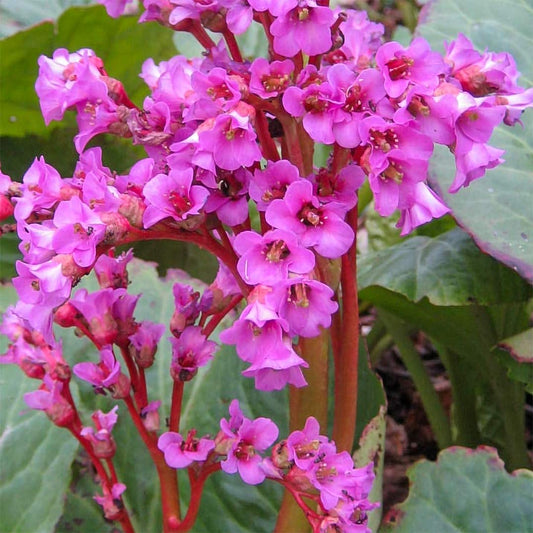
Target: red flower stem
[[199, 33], [143, 393], [124, 519], [76, 423], [112, 471], [134, 377], [268, 145], [229, 257], [266, 20], [233, 46], [309, 513], [264, 224], [168, 480], [293, 133], [298, 61], [99, 467], [313, 399], [197, 486], [346, 366], [87, 333], [218, 317], [203, 240], [175, 408], [308, 401], [125, 522]]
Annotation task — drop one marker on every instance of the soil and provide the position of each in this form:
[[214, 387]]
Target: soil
[[409, 437]]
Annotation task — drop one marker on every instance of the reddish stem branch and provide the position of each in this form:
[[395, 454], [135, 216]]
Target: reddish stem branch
[[233, 46], [218, 317], [168, 481], [175, 409], [346, 367], [134, 376], [197, 486], [268, 145]]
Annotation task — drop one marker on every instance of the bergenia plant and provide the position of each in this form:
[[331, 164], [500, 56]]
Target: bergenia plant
[[231, 165]]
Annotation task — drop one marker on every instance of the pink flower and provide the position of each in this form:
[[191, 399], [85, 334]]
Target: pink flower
[[272, 182], [305, 304], [301, 25], [79, 230], [246, 437], [268, 80], [317, 226], [101, 440], [41, 189], [268, 259], [144, 342], [180, 452], [58, 85], [416, 65], [189, 352], [426, 206], [172, 196], [105, 375], [116, 8], [49, 399], [232, 140], [303, 445], [111, 501]]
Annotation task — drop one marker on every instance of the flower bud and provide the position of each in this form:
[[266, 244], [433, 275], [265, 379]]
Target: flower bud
[[121, 389]]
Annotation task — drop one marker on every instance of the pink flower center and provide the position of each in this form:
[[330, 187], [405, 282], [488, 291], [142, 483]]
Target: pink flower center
[[308, 450], [219, 91], [275, 82], [244, 451], [298, 295], [310, 216], [277, 251], [384, 140], [392, 172], [180, 203], [353, 99], [399, 67]]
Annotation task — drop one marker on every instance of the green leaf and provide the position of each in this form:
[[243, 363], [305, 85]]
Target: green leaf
[[36, 455], [516, 353], [520, 346], [465, 491], [18, 153], [496, 209], [77, 28], [9, 253], [371, 449], [447, 270], [18, 14]]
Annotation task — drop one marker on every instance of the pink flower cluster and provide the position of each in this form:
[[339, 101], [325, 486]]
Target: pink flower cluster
[[229, 167], [307, 463]]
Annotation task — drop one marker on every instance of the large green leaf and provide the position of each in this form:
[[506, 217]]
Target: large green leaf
[[18, 14], [447, 270], [516, 353], [465, 491], [112, 40], [36, 455], [496, 210]]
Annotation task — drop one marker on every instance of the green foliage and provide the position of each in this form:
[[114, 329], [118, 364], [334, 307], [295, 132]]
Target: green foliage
[[77, 28], [35, 454], [495, 210], [19, 14], [465, 491], [447, 270]]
